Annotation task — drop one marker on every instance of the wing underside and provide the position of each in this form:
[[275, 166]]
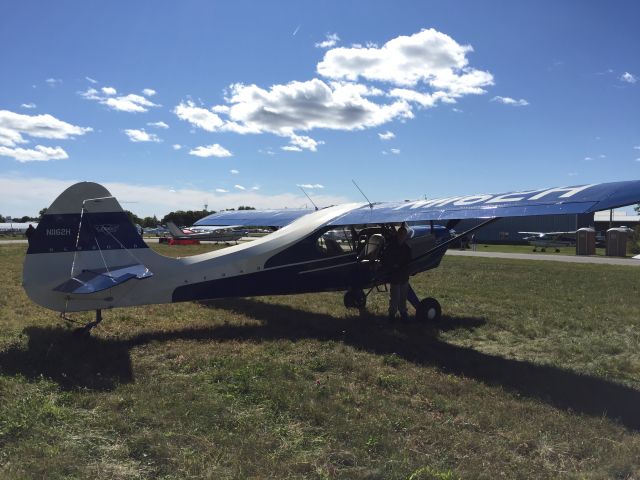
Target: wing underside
[[550, 201], [570, 200]]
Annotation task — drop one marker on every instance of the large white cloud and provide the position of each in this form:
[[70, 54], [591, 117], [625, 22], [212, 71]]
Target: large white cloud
[[303, 106], [296, 106], [425, 57], [14, 125], [39, 153], [417, 71]]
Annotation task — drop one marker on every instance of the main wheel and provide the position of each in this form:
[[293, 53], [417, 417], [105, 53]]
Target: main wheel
[[429, 310], [355, 299]]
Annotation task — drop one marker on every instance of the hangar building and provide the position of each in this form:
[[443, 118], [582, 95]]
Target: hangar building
[[506, 230]]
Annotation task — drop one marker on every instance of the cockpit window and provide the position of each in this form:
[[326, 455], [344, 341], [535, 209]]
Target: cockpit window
[[335, 242]]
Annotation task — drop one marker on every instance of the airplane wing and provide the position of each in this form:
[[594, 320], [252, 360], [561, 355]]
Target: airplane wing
[[544, 201], [212, 229], [252, 218]]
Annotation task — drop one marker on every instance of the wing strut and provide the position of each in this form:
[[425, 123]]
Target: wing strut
[[453, 239]]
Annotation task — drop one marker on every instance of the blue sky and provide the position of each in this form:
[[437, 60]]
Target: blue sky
[[409, 98]]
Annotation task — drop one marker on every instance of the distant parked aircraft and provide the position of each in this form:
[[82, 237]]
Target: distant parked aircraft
[[545, 240], [226, 233]]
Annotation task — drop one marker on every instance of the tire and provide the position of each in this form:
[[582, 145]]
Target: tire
[[355, 299], [429, 311]]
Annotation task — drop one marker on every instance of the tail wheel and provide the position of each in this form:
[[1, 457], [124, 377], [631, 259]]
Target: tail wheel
[[429, 310], [355, 299]]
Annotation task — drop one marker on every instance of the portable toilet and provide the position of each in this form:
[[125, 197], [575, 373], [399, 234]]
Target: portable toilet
[[586, 241], [617, 242]]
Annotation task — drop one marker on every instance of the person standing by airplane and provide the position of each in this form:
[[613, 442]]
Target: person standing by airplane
[[29, 232], [397, 259]]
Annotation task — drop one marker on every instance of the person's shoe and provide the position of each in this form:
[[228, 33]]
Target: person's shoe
[[404, 317], [391, 318]]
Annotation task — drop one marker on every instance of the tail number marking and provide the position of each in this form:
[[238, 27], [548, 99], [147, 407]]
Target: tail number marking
[[58, 232]]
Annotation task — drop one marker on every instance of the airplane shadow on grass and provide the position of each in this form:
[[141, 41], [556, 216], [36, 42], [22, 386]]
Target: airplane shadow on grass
[[101, 364]]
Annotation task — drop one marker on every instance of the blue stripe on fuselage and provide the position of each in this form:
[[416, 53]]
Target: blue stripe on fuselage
[[320, 276]]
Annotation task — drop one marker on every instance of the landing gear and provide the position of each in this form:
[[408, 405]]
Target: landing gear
[[355, 299], [85, 331], [429, 310]]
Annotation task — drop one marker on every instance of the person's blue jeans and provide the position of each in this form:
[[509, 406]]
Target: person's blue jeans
[[398, 299]]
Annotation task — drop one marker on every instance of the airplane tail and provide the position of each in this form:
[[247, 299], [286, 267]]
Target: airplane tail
[[174, 230], [83, 249]]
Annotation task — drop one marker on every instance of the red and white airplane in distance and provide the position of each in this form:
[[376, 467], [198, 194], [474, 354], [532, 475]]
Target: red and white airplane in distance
[[225, 233]]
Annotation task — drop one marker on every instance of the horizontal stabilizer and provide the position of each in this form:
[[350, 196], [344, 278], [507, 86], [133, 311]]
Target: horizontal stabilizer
[[91, 281]]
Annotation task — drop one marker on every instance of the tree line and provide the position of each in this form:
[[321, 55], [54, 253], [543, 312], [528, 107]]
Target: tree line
[[179, 217], [24, 219]]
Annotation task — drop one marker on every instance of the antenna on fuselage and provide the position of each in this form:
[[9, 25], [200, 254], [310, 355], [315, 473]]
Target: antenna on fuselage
[[312, 202], [360, 190]]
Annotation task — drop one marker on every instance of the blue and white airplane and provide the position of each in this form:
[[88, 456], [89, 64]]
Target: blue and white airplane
[[86, 255]]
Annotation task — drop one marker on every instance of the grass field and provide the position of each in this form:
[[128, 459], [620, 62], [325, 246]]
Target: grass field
[[529, 249], [533, 373]]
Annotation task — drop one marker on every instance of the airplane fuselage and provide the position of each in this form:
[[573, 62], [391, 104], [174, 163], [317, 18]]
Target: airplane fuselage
[[304, 256]]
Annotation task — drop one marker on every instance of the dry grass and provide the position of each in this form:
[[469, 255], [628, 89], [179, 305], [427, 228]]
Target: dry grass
[[534, 373]]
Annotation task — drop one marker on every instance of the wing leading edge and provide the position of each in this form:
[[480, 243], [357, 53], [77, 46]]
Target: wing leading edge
[[545, 201]]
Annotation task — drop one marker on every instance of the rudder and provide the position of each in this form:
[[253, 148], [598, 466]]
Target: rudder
[[82, 239]]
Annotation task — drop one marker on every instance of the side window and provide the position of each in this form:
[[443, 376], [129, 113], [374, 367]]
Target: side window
[[335, 242]]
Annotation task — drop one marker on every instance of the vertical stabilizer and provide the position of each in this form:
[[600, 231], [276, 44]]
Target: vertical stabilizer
[[84, 244]]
